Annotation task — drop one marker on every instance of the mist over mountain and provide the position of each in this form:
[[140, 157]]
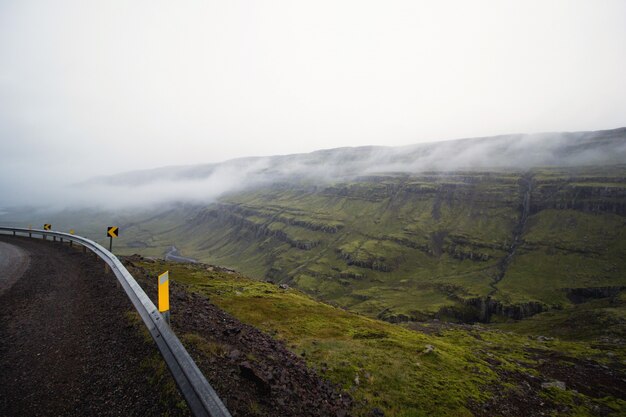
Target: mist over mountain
[[204, 183]]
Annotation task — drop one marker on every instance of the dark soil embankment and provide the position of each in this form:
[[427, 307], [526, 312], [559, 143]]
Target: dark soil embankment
[[257, 374]]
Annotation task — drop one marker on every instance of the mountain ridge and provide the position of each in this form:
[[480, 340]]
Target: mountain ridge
[[610, 146]]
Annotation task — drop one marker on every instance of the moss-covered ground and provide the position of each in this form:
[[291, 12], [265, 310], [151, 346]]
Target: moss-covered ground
[[433, 370]]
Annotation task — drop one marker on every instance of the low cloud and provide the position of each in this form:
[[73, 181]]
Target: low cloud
[[201, 184], [205, 183]]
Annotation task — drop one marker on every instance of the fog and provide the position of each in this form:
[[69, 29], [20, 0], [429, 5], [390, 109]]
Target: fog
[[91, 89], [205, 183]]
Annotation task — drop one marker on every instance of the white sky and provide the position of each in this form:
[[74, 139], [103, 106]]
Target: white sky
[[95, 87]]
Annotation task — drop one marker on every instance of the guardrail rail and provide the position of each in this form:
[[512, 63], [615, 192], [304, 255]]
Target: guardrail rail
[[200, 396]]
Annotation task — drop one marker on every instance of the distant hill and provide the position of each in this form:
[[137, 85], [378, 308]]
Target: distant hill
[[508, 151]]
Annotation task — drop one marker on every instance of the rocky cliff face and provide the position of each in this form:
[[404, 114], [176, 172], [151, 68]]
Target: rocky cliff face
[[473, 310], [582, 295], [238, 217], [482, 309], [608, 195]]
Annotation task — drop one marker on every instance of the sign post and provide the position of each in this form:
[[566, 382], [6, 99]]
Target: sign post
[[164, 296], [112, 231], [71, 233]]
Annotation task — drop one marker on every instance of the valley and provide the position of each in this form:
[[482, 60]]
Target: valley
[[462, 246]]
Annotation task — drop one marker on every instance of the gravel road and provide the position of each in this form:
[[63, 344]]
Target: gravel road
[[13, 263], [66, 346], [173, 254]]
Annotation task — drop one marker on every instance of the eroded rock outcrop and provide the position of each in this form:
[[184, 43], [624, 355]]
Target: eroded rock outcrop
[[481, 309]]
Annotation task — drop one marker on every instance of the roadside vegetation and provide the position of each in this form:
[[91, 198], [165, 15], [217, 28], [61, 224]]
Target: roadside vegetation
[[420, 369]]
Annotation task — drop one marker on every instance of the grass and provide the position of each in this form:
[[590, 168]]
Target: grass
[[389, 361], [566, 249]]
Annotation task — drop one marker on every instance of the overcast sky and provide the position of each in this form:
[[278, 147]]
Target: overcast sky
[[97, 87]]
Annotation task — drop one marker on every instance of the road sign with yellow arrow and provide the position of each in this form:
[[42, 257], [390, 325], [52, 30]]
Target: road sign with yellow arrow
[[112, 231]]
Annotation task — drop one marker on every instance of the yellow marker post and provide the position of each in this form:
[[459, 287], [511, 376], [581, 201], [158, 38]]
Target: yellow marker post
[[164, 295]]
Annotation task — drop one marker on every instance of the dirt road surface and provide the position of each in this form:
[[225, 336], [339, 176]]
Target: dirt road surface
[[13, 263], [66, 345]]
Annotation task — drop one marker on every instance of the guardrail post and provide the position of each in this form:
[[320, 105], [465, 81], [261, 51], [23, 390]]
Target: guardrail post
[[44, 237], [14, 233], [54, 238], [30, 234], [84, 249]]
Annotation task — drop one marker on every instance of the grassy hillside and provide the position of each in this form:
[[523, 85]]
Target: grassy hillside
[[432, 370], [468, 246]]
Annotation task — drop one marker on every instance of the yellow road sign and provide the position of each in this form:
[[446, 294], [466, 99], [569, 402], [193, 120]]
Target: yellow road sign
[[71, 231], [113, 231], [47, 226], [164, 292]]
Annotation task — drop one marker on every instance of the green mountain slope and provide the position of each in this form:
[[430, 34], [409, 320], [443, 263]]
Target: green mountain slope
[[469, 246]]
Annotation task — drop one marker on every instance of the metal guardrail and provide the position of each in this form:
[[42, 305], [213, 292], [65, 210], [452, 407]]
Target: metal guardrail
[[200, 396]]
